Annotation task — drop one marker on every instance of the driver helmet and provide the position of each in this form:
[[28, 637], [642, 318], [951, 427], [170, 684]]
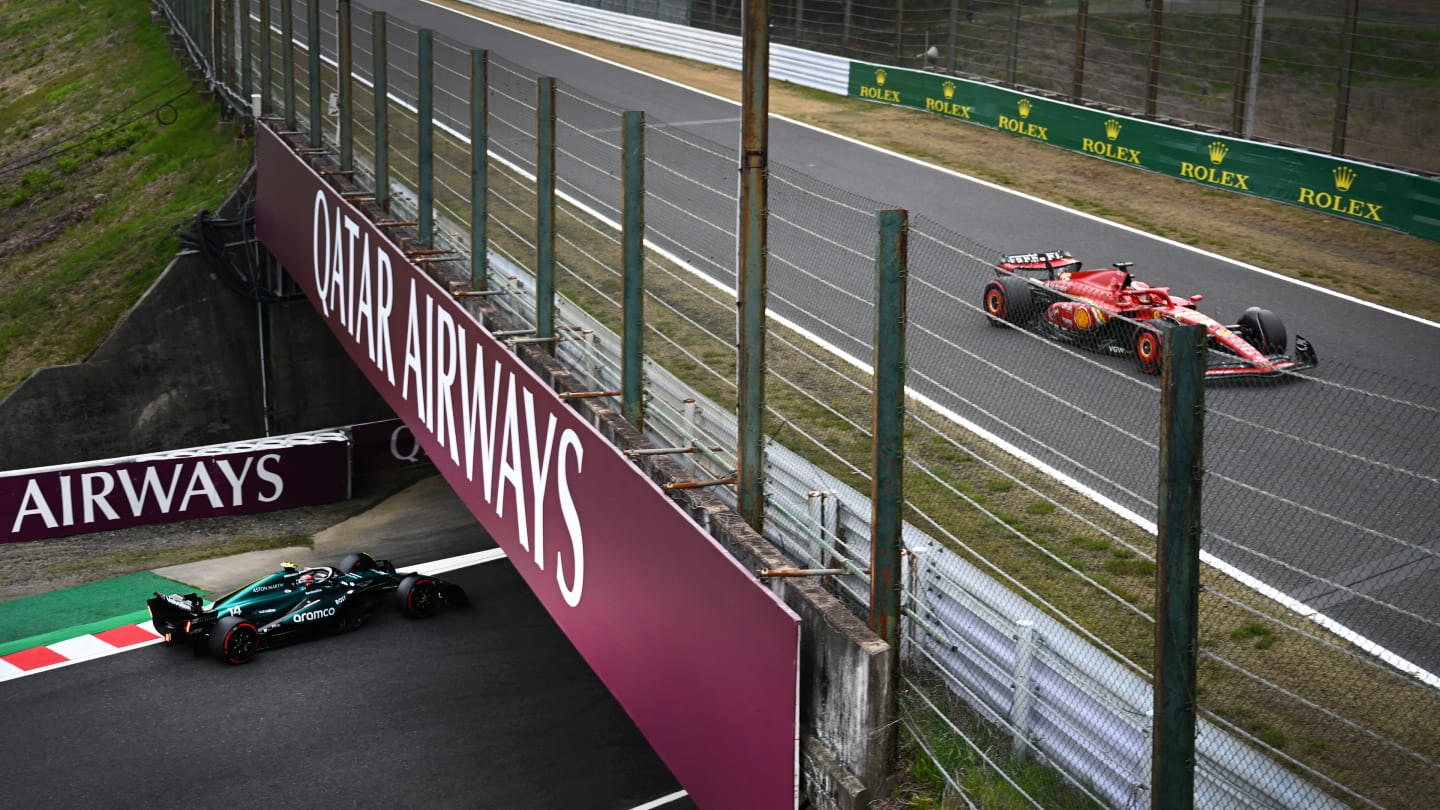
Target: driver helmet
[[307, 579]]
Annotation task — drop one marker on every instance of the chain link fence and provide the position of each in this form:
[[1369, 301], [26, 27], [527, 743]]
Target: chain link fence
[[1338, 76], [1030, 459]]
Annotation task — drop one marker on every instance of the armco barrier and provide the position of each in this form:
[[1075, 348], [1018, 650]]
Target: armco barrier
[[625, 573], [1362, 192]]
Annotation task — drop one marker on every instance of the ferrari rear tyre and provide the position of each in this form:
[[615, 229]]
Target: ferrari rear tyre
[[419, 597], [234, 640], [1147, 344], [1007, 300]]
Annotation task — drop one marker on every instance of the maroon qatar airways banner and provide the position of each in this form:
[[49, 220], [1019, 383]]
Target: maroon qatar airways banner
[[387, 444], [702, 657], [236, 479]]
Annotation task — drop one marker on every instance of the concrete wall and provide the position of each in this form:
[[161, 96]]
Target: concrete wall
[[182, 369]]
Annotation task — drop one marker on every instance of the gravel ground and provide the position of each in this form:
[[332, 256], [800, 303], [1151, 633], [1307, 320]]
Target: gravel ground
[[40, 566]]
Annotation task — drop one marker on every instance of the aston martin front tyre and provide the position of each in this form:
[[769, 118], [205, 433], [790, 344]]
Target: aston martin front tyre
[[1147, 345], [234, 640], [419, 597]]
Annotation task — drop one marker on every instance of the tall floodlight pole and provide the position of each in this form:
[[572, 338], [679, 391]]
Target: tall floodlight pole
[[750, 281]]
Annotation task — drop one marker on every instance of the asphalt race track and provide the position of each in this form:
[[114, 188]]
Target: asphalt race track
[[1324, 526], [482, 707]]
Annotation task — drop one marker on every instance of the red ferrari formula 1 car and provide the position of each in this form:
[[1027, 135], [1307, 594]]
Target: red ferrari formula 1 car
[[1110, 312]]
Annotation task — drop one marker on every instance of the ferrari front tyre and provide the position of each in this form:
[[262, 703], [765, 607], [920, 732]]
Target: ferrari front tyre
[[1007, 300], [419, 597], [1147, 343], [234, 640], [1264, 330]]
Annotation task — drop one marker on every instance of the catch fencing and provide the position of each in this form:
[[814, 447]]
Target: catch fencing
[[1030, 464], [1338, 76]]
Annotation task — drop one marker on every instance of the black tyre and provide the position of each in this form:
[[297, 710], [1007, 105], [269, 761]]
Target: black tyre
[[357, 562], [1008, 300], [1264, 330], [419, 596], [234, 640], [356, 611], [1147, 344]]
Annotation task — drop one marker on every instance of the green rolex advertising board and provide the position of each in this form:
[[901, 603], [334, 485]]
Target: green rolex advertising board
[[1367, 193]]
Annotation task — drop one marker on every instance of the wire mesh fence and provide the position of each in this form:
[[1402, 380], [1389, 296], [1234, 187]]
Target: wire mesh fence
[[1331, 75], [1031, 450]]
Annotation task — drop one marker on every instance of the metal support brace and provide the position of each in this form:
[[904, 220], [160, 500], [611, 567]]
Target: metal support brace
[[479, 293], [802, 572], [661, 451], [729, 479], [523, 341], [502, 334], [588, 394]]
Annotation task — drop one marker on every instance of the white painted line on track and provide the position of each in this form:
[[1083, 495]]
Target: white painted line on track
[[662, 801]]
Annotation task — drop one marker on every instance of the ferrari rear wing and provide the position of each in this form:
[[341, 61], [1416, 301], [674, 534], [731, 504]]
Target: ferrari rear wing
[[1051, 263]]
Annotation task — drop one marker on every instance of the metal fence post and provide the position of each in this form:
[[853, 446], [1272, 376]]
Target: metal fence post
[[887, 485], [247, 71], [312, 45], [479, 166], [287, 61], [1152, 77], [266, 58], [1347, 67], [632, 400], [345, 78], [1082, 33], [545, 210], [1023, 694], [1177, 567], [380, 74], [425, 138], [750, 277]]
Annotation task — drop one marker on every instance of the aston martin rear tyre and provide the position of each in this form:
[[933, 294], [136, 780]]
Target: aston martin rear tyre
[[234, 640]]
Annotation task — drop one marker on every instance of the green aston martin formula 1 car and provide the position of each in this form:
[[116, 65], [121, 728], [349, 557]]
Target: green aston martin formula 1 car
[[296, 603]]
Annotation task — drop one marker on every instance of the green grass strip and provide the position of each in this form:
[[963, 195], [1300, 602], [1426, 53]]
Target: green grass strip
[[93, 607]]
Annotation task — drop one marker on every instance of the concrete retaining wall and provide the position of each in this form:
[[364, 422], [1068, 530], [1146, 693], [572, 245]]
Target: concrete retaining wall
[[183, 369]]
